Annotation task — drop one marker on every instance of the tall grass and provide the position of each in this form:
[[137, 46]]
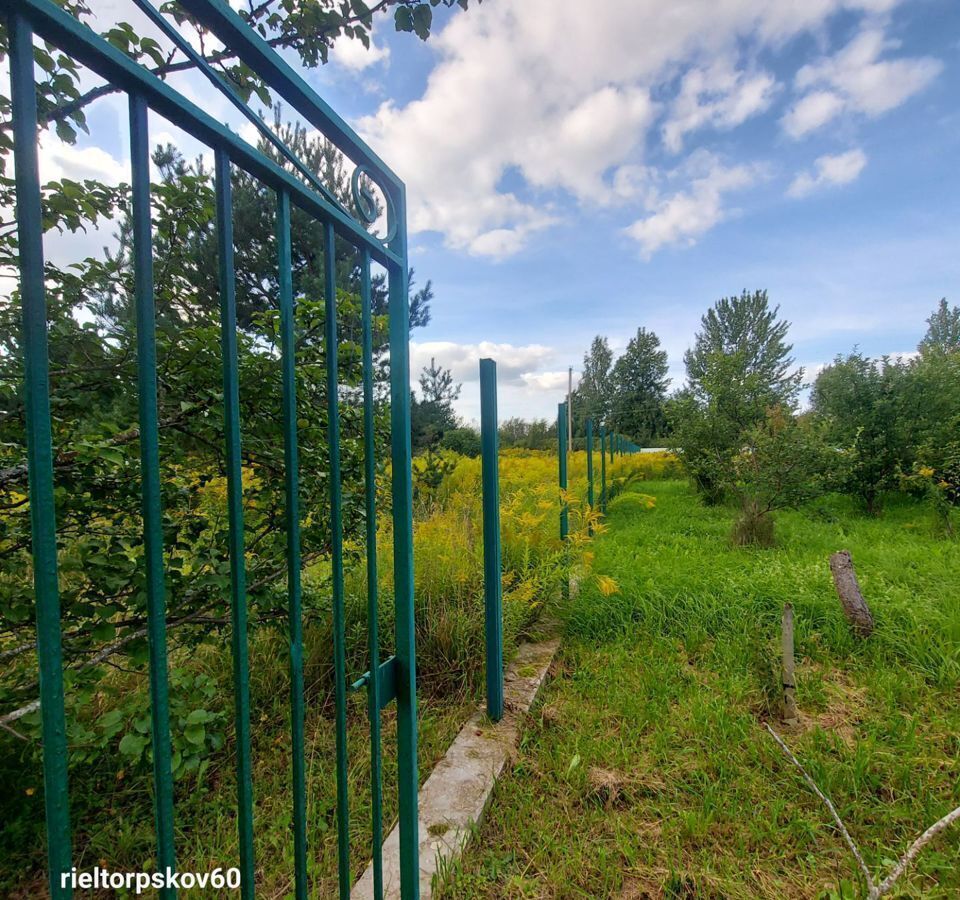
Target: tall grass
[[648, 772], [111, 802]]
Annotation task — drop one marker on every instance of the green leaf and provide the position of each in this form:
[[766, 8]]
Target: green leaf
[[105, 631], [403, 19], [65, 132], [422, 20], [132, 745], [199, 717], [196, 734]]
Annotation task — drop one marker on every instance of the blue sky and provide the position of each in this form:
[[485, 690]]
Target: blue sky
[[577, 169]]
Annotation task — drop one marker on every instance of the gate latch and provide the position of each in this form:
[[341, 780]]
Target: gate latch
[[387, 672]]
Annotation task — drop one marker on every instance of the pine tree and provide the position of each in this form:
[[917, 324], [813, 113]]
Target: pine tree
[[640, 387], [594, 393], [943, 330]]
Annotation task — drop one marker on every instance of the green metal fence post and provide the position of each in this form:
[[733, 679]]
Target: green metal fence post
[[43, 527], [291, 464], [336, 552], [562, 471], [589, 429], [238, 572], [405, 626], [603, 469], [613, 439], [373, 625], [150, 486], [562, 452], [492, 578]]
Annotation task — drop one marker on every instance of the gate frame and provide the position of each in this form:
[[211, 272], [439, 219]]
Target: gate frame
[[394, 679]]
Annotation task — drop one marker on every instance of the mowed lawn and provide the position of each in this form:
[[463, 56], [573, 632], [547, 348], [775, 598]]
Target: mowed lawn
[[646, 771]]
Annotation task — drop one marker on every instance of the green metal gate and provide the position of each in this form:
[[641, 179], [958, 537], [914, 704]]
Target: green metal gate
[[393, 678]]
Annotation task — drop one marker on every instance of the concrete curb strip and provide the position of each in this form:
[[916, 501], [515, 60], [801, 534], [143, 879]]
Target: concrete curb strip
[[453, 799]]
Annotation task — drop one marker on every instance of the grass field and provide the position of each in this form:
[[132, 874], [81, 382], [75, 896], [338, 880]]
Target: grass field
[[111, 797], [646, 772]]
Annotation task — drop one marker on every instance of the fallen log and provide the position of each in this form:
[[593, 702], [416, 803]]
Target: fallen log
[[848, 590]]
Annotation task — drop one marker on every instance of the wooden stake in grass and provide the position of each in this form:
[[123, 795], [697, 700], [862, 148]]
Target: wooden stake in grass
[[789, 684], [848, 590]]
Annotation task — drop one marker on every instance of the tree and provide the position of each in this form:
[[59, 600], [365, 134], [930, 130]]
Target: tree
[[943, 330], [747, 328], [639, 388], [537, 434], [593, 394], [92, 347], [783, 463], [861, 405], [465, 441], [433, 415], [738, 369], [309, 29]]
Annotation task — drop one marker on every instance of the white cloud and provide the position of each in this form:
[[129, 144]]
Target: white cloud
[[352, 55], [58, 160], [514, 363], [682, 217], [841, 168], [530, 99], [811, 112], [857, 80], [719, 96], [551, 382]]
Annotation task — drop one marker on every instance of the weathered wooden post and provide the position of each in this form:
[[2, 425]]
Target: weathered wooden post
[[789, 682]]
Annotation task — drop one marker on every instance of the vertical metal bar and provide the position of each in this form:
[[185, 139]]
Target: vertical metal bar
[[589, 426], [613, 440], [373, 612], [43, 524], [603, 469], [291, 465], [238, 573], [562, 454], [563, 421], [402, 489], [492, 579], [150, 485], [336, 547]]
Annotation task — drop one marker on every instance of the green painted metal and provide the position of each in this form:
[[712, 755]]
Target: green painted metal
[[386, 685], [238, 568], [85, 46], [40, 452], [291, 462], [252, 49], [492, 568], [396, 677], [562, 454], [589, 426], [336, 552], [150, 485], [225, 88], [613, 440], [603, 469], [373, 613], [405, 633]]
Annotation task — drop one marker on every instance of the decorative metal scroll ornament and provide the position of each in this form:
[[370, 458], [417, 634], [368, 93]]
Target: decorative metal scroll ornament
[[366, 203]]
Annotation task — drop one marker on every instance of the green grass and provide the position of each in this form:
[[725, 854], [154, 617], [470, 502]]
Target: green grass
[[646, 770], [112, 807]]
